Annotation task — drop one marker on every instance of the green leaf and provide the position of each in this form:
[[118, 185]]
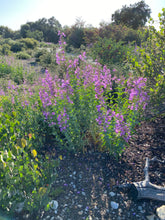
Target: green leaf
[[47, 207], [23, 142], [34, 153]]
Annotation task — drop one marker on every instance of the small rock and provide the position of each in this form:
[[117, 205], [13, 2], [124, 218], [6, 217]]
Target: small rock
[[112, 194], [26, 216], [48, 217], [95, 207], [54, 205], [112, 182], [59, 218], [83, 193], [52, 218], [140, 208], [151, 217], [161, 212], [74, 186], [114, 205], [120, 211], [80, 212], [79, 206], [19, 207]]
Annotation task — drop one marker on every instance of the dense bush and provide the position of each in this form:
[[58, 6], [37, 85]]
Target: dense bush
[[108, 51], [17, 46], [76, 35], [23, 55], [25, 177], [9, 71], [37, 35], [6, 41], [149, 60], [5, 69], [119, 33], [30, 43], [5, 49], [38, 53], [47, 59], [91, 35], [75, 109]]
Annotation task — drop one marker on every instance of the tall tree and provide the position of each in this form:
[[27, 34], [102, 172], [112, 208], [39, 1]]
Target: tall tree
[[6, 32], [134, 16], [43, 28], [76, 36], [24, 29]]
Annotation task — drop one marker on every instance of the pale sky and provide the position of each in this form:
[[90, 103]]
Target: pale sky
[[14, 13]]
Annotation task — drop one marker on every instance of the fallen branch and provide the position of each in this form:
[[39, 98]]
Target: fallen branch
[[145, 189]]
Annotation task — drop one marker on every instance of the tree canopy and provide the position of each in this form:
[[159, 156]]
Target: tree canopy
[[46, 29], [133, 16]]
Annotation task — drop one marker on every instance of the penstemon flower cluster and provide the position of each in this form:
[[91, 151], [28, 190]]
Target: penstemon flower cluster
[[76, 108], [78, 102]]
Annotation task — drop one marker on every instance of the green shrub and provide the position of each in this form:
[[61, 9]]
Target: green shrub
[[23, 55], [76, 37], [11, 70], [29, 42], [39, 53], [47, 59], [119, 33], [8, 41], [17, 46], [6, 49], [149, 60], [37, 35], [5, 69], [108, 51], [26, 175]]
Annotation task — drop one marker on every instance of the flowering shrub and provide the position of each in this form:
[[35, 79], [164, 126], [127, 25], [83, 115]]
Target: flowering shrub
[[78, 109], [75, 106], [75, 109]]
